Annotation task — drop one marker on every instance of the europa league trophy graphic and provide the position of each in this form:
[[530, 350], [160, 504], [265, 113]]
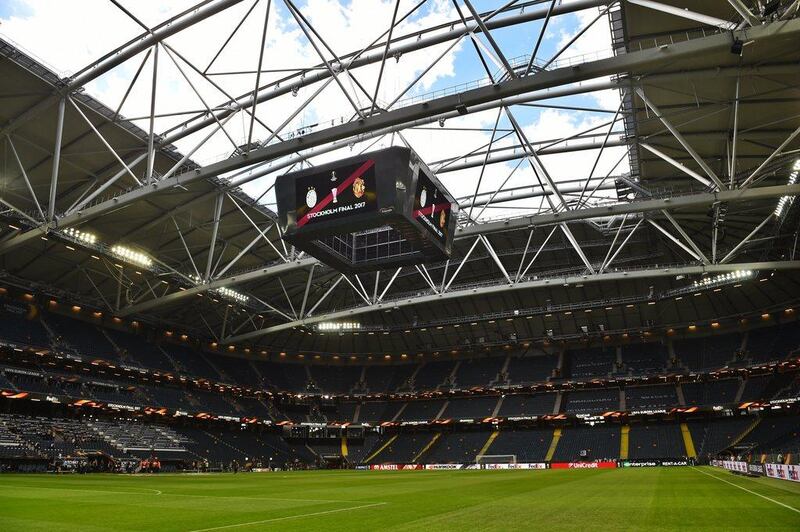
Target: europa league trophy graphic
[[334, 192]]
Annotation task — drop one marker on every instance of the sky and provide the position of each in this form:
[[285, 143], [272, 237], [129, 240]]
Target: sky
[[67, 36]]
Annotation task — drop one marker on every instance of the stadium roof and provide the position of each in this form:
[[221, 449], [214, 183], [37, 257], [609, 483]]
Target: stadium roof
[[706, 134]]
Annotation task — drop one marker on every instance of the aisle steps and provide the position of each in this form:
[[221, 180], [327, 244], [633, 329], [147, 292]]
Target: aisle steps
[[553, 445]]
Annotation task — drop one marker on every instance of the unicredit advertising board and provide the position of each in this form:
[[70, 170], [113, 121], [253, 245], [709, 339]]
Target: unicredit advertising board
[[583, 465]]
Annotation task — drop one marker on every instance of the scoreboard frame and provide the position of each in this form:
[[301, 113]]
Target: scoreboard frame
[[369, 212]]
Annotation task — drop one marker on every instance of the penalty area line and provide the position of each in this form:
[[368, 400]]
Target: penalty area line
[[286, 518], [747, 490]]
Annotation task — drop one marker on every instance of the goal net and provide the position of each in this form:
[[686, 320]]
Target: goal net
[[496, 459]]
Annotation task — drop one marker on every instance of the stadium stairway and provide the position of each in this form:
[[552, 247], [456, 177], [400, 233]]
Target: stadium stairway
[[623, 442], [740, 391], [399, 412], [427, 447], [557, 405], [441, 410], [498, 406], [553, 445], [744, 433], [681, 398], [380, 449], [223, 442], [687, 441], [489, 441]]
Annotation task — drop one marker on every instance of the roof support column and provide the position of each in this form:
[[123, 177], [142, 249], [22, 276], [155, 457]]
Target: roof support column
[[151, 153], [51, 206], [214, 231]]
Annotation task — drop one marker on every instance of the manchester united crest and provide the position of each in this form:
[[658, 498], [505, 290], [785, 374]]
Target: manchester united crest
[[359, 187]]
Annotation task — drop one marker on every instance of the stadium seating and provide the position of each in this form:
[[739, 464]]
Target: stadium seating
[[591, 401], [336, 379], [84, 338], [535, 367], [716, 392], [588, 443], [17, 328], [133, 350], [404, 448], [707, 353], [456, 447], [111, 393], [344, 413], [191, 362], [773, 435], [43, 437], [359, 451], [650, 397], [591, 363], [528, 445], [478, 371], [470, 407], [379, 379], [645, 359], [755, 388], [713, 436], [377, 411], [432, 375], [425, 410], [772, 343], [652, 441], [527, 405]]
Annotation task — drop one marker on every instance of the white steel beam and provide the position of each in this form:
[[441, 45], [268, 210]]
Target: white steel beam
[[745, 12], [685, 13], [679, 137], [51, 206], [119, 56], [685, 236], [675, 239], [526, 285], [676, 202], [481, 98], [746, 239]]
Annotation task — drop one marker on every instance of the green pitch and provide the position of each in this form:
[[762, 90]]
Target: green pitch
[[622, 499]]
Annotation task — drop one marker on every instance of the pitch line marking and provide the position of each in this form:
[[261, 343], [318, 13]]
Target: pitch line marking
[[255, 498], [286, 518], [152, 491], [193, 495], [747, 490]]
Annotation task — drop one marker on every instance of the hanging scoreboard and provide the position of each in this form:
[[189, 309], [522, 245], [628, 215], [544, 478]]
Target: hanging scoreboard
[[370, 212]]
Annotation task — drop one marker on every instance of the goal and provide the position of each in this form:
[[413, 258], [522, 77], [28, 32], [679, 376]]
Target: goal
[[496, 459]]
